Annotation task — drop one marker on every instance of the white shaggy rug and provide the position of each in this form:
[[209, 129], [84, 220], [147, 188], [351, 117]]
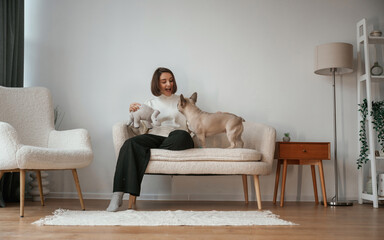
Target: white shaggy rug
[[162, 218]]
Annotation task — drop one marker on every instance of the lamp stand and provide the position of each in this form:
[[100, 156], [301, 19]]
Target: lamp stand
[[335, 200]]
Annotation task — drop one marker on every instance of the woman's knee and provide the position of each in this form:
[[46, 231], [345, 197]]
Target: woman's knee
[[181, 139], [180, 134]]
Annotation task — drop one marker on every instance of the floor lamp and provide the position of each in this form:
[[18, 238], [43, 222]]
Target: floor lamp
[[332, 59]]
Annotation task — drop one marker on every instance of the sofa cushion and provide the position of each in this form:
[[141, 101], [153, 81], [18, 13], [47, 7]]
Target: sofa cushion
[[206, 154]]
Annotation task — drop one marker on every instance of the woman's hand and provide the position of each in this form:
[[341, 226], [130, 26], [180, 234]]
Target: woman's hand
[[134, 107]]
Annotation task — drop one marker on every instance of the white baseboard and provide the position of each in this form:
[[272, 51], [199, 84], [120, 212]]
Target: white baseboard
[[182, 197]]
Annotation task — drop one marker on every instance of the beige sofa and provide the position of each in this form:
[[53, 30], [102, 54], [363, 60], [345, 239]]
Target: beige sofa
[[254, 159]]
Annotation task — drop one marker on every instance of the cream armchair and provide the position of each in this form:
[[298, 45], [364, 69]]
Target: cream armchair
[[28, 141]]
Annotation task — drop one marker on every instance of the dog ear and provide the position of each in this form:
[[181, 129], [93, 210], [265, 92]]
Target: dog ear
[[182, 101], [194, 97]]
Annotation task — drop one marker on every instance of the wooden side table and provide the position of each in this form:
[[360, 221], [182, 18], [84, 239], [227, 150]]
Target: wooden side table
[[302, 153]]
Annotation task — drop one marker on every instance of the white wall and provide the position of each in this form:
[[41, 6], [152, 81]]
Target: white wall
[[252, 58]]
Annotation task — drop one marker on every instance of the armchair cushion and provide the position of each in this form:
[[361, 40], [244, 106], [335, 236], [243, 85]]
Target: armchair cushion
[[30, 157]]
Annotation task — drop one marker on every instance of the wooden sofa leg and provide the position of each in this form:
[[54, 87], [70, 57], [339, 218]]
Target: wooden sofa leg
[[38, 175], [132, 200], [257, 190], [22, 191], [245, 186], [76, 178]]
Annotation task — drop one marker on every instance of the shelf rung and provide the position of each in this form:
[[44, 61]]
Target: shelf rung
[[373, 78], [367, 196], [378, 78], [375, 40], [363, 77], [376, 157]]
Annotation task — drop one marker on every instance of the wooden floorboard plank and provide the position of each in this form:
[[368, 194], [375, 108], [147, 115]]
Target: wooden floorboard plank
[[315, 222]]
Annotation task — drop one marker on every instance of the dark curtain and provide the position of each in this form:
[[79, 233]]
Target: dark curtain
[[11, 73], [12, 43]]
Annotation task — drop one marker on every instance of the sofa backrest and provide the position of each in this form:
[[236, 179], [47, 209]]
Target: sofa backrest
[[29, 111]]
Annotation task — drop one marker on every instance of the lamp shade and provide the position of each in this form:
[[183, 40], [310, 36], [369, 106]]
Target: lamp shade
[[338, 56]]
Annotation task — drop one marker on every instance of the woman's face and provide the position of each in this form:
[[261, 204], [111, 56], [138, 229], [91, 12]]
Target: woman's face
[[166, 84]]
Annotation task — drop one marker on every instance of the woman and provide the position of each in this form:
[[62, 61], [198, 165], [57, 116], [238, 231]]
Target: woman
[[171, 134]]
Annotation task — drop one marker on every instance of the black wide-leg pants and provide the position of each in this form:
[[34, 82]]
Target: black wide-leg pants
[[135, 154]]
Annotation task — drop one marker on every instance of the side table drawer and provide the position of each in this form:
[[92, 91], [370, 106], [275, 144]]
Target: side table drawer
[[296, 150]]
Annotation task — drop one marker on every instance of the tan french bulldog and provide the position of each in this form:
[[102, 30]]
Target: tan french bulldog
[[205, 124]]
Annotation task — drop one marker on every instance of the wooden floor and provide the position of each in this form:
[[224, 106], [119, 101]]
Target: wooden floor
[[315, 222]]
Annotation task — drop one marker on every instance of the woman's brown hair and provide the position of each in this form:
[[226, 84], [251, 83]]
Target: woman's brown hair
[[155, 88]]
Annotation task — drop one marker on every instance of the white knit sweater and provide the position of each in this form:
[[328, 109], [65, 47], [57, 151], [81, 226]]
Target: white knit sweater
[[169, 118]]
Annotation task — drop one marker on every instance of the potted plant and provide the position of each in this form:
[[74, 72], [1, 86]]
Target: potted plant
[[377, 114], [286, 137], [57, 117]]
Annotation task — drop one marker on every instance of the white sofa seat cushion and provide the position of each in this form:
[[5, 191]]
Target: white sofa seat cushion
[[208, 167], [30, 157], [206, 154]]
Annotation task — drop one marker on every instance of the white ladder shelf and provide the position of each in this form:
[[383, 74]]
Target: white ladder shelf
[[365, 79]]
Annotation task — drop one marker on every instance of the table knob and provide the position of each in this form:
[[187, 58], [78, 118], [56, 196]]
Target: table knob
[[304, 150]]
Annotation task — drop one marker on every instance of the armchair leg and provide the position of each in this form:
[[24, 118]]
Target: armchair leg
[[38, 175], [22, 191], [245, 186], [76, 178], [257, 190], [2, 203]]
